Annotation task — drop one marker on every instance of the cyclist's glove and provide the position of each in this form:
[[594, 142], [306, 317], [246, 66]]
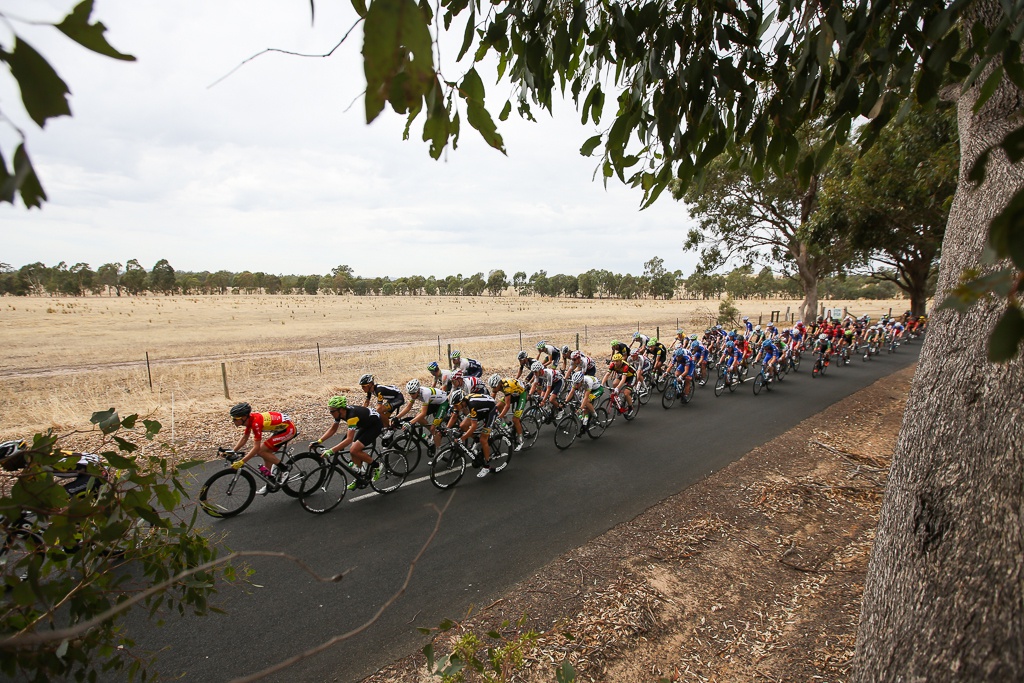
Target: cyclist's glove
[[238, 464], [314, 444], [328, 453]]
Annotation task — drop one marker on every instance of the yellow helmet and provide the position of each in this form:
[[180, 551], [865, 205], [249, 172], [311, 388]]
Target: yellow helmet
[[617, 358]]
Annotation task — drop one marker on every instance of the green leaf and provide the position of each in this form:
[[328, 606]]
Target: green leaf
[[565, 673], [1007, 336], [119, 461], [396, 40], [129, 422], [360, 7], [23, 180], [189, 464], [153, 428], [124, 445], [43, 92], [76, 26]]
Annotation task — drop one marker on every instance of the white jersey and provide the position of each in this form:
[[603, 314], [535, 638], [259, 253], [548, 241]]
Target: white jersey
[[431, 397]]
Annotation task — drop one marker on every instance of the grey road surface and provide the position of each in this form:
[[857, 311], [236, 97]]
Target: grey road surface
[[497, 532]]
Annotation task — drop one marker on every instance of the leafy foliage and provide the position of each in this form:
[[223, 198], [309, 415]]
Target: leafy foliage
[[74, 563]]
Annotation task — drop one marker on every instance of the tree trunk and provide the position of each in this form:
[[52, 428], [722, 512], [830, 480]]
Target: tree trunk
[[944, 594], [808, 277]]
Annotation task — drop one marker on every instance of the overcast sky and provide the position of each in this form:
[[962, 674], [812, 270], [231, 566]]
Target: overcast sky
[[274, 168]]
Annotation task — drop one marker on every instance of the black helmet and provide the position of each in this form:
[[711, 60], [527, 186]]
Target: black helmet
[[241, 410], [12, 455]]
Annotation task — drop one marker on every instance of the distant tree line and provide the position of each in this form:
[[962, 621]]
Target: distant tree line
[[132, 279]]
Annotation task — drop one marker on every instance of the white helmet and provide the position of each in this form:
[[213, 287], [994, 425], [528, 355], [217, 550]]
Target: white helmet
[[757, 328], [537, 366], [494, 381], [412, 386], [822, 336], [577, 377], [575, 355]]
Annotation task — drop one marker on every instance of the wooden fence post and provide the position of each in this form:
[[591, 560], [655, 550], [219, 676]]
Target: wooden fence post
[[224, 376]]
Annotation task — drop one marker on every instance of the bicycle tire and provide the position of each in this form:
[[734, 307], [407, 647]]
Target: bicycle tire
[[631, 413], [565, 432], [687, 396], [669, 397], [300, 467], [758, 383], [531, 429], [394, 467], [702, 377], [409, 446], [662, 381], [598, 423], [796, 362], [501, 453], [323, 489], [720, 385], [447, 468], [227, 493], [643, 393]]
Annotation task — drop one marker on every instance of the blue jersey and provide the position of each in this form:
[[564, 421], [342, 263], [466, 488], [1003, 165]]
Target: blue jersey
[[769, 351], [701, 353], [684, 362]]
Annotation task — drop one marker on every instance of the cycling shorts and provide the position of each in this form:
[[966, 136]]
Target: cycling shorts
[[518, 403], [596, 393], [439, 411], [275, 440], [392, 404], [556, 387], [368, 432]]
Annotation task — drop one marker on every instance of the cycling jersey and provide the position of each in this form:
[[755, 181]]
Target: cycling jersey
[[553, 352], [684, 364], [643, 339], [626, 370], [387, 395], [516, 394], [270, 422], [769, 351], [481, 409], [657, 350], [431, 397], [585, 363], [443, 378], [551, 378], [512, 387], [470, 367], [366, 423], [700, 353], [621, 348]]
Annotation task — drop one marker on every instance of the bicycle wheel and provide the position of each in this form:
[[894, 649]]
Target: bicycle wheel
[[720, 384], [394, 468], [565, 431], [227, 493], [531, 428], [796, 362], [702, 377], [300, 467], [687, 395], [758, 383], [643, 392], [409, 446], [669, 397], [323, 489], [598, 422], [447, 467], [662, 381], [631, 413], [501, 453]]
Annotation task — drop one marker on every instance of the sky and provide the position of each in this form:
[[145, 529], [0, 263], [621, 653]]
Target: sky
[[274, 168]]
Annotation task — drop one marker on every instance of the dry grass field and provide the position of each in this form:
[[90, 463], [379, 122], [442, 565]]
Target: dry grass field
[[66, 357]]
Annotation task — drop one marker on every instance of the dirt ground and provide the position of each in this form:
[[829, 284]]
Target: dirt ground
[[754, 574]]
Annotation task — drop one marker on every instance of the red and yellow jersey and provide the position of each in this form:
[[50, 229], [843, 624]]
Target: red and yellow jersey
[[269, 422]]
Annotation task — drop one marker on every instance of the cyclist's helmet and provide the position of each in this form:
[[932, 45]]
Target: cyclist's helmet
[[494, 381], [337, 402], [412, 386], [680, 333], [733, 336], [651, 343], [693, 337], [456, 397], [730, 344], [694, 345], [745, 318], [433, 367], [241, 410], [577, 377], [457, 376], [617, 358], [522, 355], [366, 379], [566, 349], [615, 342], [823, 336], [456, 354], [637, 335], [757, 328], [12, 455], [679, 353], [541, 344], [767, 344], [537, 367], [575, 355]]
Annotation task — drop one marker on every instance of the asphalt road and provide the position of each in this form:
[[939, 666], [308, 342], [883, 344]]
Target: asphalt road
[[496, 532]]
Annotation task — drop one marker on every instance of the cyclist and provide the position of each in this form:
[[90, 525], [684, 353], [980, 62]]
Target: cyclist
[[657, 350], [509, 395], [581, 361], [732, 359], [442, 378], [620, 348], [364, 426], [642, 338], [590, 389], [824, 347], [768, 356], [278, 427], [14, 456], [748, 327], [700, 354], [468, 366], [480, 412], [433, 405], [469, 385], [683, 367], [566, 357], [626, 377], [389, 399], [755, 337], [524, 363], [548, 382], [553, 354]]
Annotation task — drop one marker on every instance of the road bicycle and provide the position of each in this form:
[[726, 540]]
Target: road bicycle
[[412, 440], [763, 380], [726, 380], [574, 422], [794, 360], [229, 491], [450, 463], [619, 406], [820, 364], [642, 390], [325, 487], [660, 377], [674, 390], [531, 429]]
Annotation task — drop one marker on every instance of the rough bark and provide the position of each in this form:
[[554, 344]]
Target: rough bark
[[944, 597]]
